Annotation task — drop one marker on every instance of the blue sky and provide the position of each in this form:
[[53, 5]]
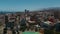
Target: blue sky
[[21, 5]]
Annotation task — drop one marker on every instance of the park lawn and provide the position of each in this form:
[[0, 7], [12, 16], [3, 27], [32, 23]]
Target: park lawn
[[30, 32]]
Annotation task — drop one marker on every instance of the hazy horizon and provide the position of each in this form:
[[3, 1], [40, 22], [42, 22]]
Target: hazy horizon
[[21, 5]]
